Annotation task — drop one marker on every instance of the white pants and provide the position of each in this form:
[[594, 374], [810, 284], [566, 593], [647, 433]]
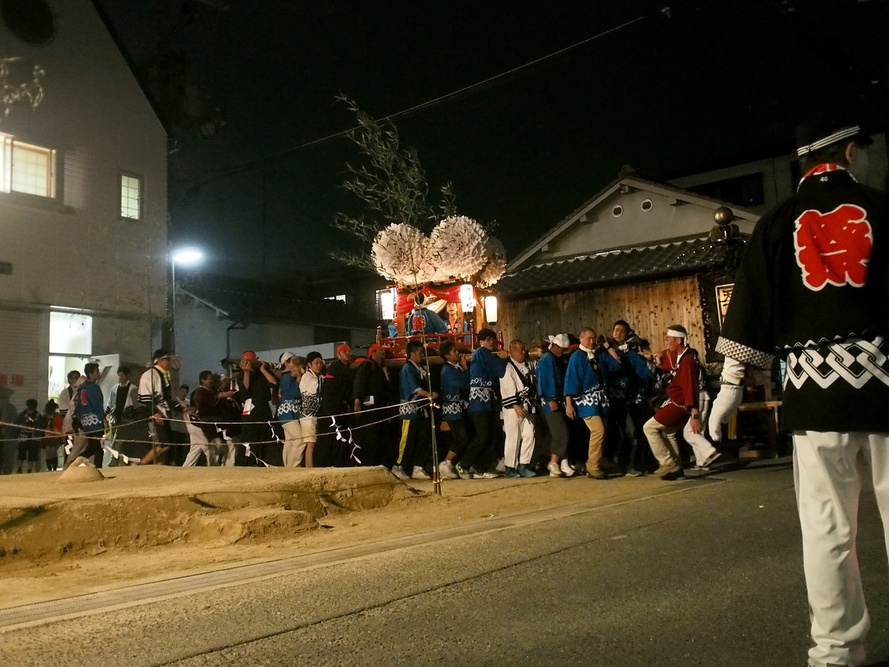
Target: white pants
[[702, 447], [199, 445], [294, 444], [519, 445], [828, 470]]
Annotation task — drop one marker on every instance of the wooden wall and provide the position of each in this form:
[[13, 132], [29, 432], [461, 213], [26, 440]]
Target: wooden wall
[[649, 308]]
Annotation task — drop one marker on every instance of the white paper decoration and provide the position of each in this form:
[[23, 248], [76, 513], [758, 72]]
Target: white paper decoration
[[495, 266], [457, 248], [401, 253]]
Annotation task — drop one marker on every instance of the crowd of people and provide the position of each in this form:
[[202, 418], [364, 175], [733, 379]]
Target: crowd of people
[[595, 406]]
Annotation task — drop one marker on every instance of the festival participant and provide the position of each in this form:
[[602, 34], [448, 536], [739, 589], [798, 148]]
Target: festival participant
[[30, 437], [89, 410], [202, 413], [257, 384], [66, 399], [414, 454], [628, 407], [371, 394], [485, 369], [335, 410], [289, 412], [518, 391], [121, 410], [813, 286], [680, 410], [423, 320], [455, 392], [310, 389], [585, 397], [551, 390], [155, 401]]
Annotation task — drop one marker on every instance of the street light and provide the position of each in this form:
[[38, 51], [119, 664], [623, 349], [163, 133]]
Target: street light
[[186, 257]]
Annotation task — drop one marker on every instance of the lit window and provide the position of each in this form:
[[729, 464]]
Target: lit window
[[338, 297], [26, 168], [130, 197], [386, 303]]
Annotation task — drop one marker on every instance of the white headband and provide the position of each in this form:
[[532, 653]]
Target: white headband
[[672, 333], [827, 141]]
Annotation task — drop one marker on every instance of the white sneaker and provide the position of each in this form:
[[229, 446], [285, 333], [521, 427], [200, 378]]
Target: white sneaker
[[566, 468], [554, 470], [419, 473], [464, 474], [446, 470], [398, 471]]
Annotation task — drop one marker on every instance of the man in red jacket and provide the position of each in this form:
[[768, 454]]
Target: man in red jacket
[[679, 367]]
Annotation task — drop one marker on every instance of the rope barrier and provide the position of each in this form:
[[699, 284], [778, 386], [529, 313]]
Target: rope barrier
[[337, 431], [49, 434]]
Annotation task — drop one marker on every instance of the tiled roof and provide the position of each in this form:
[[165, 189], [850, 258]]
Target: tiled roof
[[247, 301], [623, 265]]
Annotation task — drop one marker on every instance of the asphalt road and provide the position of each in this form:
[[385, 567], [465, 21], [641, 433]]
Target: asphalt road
[[700, 572]]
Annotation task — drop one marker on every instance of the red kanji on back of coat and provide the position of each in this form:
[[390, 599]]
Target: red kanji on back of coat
[[833, 248]]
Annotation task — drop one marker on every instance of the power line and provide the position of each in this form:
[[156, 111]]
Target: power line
[[243, 166]]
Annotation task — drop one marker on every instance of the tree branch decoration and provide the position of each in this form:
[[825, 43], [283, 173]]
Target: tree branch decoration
[[391, 232], [29, 93]]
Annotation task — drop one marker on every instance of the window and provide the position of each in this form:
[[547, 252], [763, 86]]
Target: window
[[26, 168], [130, 197], [338, 297], [386, 299]]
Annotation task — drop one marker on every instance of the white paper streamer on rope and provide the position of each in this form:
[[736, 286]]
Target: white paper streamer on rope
[[350, 441], [127, 460], [69, 444]]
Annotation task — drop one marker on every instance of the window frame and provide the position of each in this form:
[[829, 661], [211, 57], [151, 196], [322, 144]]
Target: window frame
[[8, 145], [140, 213]]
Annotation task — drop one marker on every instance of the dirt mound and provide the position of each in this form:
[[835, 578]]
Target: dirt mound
[[218, 508]]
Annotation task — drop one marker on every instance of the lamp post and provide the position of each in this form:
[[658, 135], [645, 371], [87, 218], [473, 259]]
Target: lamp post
[[185, 257]]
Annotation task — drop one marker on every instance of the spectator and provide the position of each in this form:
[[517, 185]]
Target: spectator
[[54, 437], [551, 389], [455, 393], [485, 370], [30, 437], [585, 397], [680, 410], [518, 389], [416, 427]]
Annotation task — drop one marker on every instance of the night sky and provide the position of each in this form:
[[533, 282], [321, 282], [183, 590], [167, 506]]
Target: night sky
[[681, 86]]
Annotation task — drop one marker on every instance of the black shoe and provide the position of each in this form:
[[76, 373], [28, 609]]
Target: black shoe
[[673, 475]]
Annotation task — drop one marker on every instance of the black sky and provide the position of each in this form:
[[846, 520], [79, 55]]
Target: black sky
[[684, 85]]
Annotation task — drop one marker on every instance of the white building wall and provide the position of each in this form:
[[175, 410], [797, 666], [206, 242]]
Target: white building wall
[[604, 227], [76, 251]]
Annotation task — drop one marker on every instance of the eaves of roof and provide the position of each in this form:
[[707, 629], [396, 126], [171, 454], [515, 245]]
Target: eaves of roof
[[635, 183], [620, 265]]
